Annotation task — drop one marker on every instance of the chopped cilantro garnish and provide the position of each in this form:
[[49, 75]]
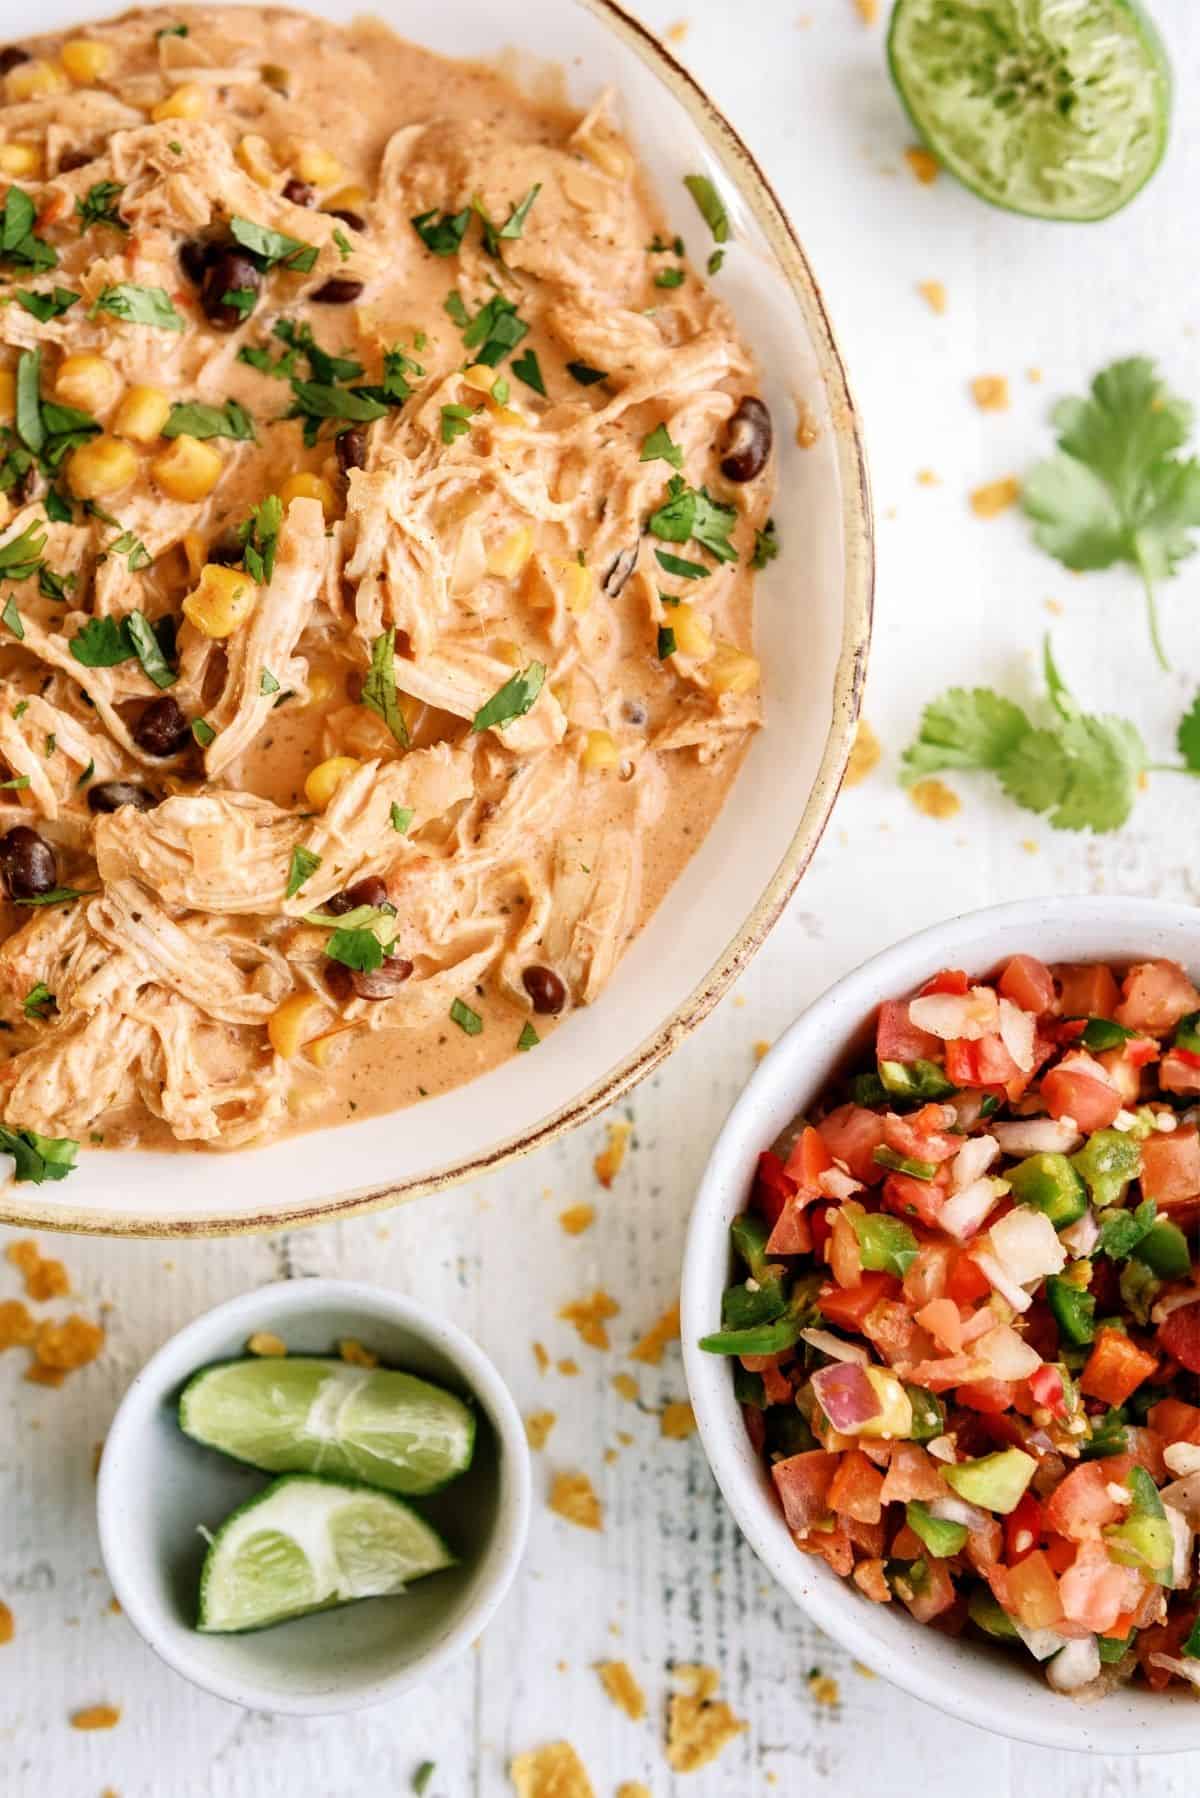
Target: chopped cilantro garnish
[[402, 817], [669, 277], [494, 331], [21, 556], [716, 262], [512, 226], [691, 512], [270, 247], [259, 537], [19, 782], [323, 366], [107, 642], [56, 586], [355, 948], [710, 204], [19, 247], [315, 401], [527, 368], [172, 31], [99, 206], [38, 1158], [512, 700], [454, 305], [149, 650], [442, 233], [467, 1020], [303, 864], [30, 428], [56, 896], [658, 447], [203, 732], [528, 1039], [10, 618], [342, 242], [666, 642], [267, 684], [138, 306], [44, 306], [241, 300], [379, 687], [198, 420], [87, 773], [586, 377], [688, 571], [58, 509], [38, 1001], [456, 421], [766, 545], [138, 556]]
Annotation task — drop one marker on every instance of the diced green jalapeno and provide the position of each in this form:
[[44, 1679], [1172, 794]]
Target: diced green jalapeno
[[1121, 1231], [904, 1164], [1139, 1287], [745, 1307], [787, 1433], [929, 1416], [940, 1537], [1115, 1648], [990, 1106], [997, 1482], [749, 1234], [989, 1615], [916, 1079], [1108, 1435], [1104, 1033], [1108, 1161], [1187, 1033], [886, 1245], [1050, 1184], [1164, 1249], [748, 1388], [1074, 1310], [867, 1089], [1144, 1539], [758, 1339], [1191, 1647]]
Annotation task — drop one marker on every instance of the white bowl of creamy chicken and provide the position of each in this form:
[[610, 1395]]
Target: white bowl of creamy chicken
[[427, 491]]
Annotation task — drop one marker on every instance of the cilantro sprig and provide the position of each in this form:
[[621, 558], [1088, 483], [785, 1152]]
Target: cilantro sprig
[[1116, 490], [692, 513], [379, 686]]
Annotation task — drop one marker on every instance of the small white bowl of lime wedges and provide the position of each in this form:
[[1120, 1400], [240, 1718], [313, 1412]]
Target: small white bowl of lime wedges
[[321, 1530]]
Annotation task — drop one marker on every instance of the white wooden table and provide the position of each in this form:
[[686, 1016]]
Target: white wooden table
[[669, 1578]]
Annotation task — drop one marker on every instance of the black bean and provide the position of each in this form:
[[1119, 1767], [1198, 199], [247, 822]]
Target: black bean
[[111, 795], [10, 56], [355, 220], [338, 979], [371, 890], [227, 272], [75, 159], [225, 550], [620, 571], [194, 258], [350, 448], [384, 982], [300, 193], [337, 291], [546, 991], [747, 440], [162, 728], [27, 863]]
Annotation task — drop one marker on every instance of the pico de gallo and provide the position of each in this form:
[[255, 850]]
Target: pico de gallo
[[965, 1331]]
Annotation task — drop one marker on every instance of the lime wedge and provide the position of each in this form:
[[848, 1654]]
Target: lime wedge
[[313, 1414], [1056, 108], [306, 1544]]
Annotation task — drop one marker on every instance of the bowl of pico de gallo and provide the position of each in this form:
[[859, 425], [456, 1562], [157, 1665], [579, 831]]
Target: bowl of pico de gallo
[[941, 1318]]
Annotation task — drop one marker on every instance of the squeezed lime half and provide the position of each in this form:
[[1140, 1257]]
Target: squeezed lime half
[[306, 1544], [315, 1414], [1054, 108]]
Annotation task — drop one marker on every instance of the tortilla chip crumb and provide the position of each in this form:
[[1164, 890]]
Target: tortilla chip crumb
[[577, 1218], [589, 1317], [927, 478], [608, 1162], [1055, 606], [573, 1497], [762, 1049], [627, 1387], [610, 1455], [114, 1605], [864, 755], [678, 1420], [97, 1455], [866, 1672], [995, 497], [1034, 375], [354, 1353], [624, 1438], [62, 1348], [934, 295], [808, 429], [622, 1688], [43, 1279], [867, 10], [1029, 845], [97, 1716], [650, 1348], [568, 1366], [935, 799], [541, 1357], [538, 1426], [554, 1771], [923, 163], [824, 1688], [699, 1726], [633, 1788], [8, 1628], [990, 393], [17, 1328], [263, 1342], [676, 33]]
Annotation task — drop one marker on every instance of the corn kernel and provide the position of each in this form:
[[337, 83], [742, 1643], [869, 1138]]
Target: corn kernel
[[610, 155], [320, 1049], [348, 199], [221, 601], [8, 393], [193, 547], [86, 61], [286, 1026], [510, 556], [509, 416], [33, 80], [600, 750], [265, 1342], [100, 468], [187, 102], [142, 414], [574, 581], [321, 688], [310, 486], [323, 781], [187, 469], [480, 376], [731, 670], [89, 382], [20, 160], [693, 636], [317, 166], [254, 155]]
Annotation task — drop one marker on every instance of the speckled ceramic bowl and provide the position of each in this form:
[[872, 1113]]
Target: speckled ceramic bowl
[[994, 1689], [812, 631]]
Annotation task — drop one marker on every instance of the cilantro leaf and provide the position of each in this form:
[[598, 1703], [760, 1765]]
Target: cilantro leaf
[[973, 728], [99, 206], [1116, 491], [467, 1020], [38, 1158], [442, 233], [658, 447], [528, 1039], [259, 537], [688, 571], [691, 512], [38, 1001], [30, 428], [494, 331], [303, 865], [355, 948], [710, 204], [102, 644], [148, 650], [456, 421], [19, 247], [21, 556], [584, 375], [512, 700], [379, 687], [138, 306], [669, 277], [766, 545], [666, 642], [1187, 737], [203, 732], [402, 817], [132, 547], [197, 420], [44, 306], [271, 247], [527, 368], [10, 618]]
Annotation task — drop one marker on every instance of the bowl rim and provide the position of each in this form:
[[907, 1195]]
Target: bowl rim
[[831, 1604], [20, 1208], [271, 1305]]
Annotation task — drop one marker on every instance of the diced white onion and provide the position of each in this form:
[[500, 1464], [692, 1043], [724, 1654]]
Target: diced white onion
[[1184, 1495], [967, 1107], [834, 1347], [1124, 1120], [1027, 1244], [1041, 1643], [1037, 1136], [1173, 1301], [957, 1510], [1181, 1547], [942, 1449], [1017, 1033], [1007, 1355], [1075, 1666], [962, 1215], [836, 1183], [973, 1159], [1182, 1458], [1189, 1670], [1082, 1236], [992, 1271], [1120, 1495], [963, 1016], [1165, 1122]]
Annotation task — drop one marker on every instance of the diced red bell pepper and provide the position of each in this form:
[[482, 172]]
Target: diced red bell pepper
[[1116, 1368], [855, 1488], [802, 1482], [772, 1188], [1029, 983], [1171, 1166], [1179, 1336], [846, 1306], [949, 980], [1022, 1530], [808, 1161], [896, 1039]]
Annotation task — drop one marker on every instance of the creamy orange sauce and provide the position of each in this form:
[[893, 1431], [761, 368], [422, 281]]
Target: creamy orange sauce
[[501, 513]]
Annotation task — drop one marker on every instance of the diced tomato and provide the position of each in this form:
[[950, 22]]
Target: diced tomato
[[1022, 1530], [1046, 1385], [921, 1136], [868, 1538], [907, 1545], [891, 1327], [984, 1544], [912, 1473], [802, 1482], [1174, 1421], [1094, 1590], [1033, 1596], [852, 1134], [1072, 1090], [844, 1255], [1125, 1075], [1180, 1072], [1154, 996], [983, 1061], [1171, 1166], [1179, 1336], [936, 1594], [1060, 1551], [869, 1578], [1163, 1638], [772, 1188], [1116, 1368], [777, 1388], [1081, 1505], [808, 1161], [896, 1039], [950, 980], [1146, 1448], [1086, 989], [845, 1307], [925, 1280], [821, 1219], [967, 1280], [910, 1198], [792, 1232], [943, 1320], [994, 1397], [1029, 984], [756, 1427], [833, 1546], [855, 1488]]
